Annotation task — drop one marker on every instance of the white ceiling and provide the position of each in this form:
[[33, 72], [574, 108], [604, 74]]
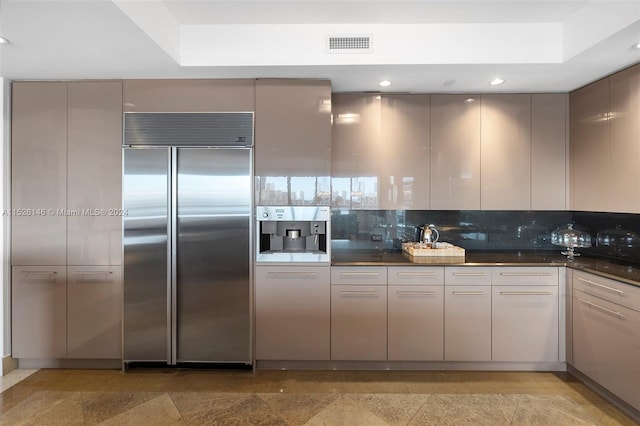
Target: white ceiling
[[537, 46]]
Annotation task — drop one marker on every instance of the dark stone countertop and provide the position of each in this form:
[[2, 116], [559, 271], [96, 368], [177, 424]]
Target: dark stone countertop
[[608, 268]]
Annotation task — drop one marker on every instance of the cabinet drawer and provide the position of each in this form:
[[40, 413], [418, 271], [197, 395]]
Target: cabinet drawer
[[376, 275], [416, 275], [611, 290], [467, 276], [522, 275]]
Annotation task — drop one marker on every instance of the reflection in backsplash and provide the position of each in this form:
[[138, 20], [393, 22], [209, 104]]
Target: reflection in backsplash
[[615, 235]]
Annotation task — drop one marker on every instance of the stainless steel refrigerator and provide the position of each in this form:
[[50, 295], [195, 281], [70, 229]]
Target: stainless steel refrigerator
[[187, 251]]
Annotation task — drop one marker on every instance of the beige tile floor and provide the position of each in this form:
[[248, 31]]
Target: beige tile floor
[[207, 397]]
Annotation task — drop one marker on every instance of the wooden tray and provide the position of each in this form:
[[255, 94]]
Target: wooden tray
[[414, 249]]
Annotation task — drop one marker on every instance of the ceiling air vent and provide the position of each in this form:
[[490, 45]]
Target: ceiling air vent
[[349, 44]]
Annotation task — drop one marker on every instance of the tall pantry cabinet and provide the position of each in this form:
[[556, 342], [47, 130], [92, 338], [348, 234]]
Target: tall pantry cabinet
[[66, 219]]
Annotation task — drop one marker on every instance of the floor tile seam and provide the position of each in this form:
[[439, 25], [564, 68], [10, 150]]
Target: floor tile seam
[[429, 396], [173, 401]]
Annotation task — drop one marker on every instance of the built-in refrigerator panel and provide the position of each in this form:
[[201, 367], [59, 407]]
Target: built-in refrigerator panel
[[213, 199], [146, 254]]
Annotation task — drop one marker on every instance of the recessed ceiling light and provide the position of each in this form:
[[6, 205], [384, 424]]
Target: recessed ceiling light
[[496, 81], [3, 40], [637, 46], [469, 100], [384, 83]]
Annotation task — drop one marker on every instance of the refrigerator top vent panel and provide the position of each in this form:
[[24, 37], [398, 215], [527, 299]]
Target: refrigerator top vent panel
[[188, 129]]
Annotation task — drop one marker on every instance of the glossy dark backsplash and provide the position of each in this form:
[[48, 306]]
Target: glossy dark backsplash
[[487, 230]]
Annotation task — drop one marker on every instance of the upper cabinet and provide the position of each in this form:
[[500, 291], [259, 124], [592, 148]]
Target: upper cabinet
[[293, 142], [195, 95], [94, 173], [605, 144], [39, 173], [549, 159], [624, 132], [66, 173], [380, 151], [455, 152], [506, 152], [590, 158]]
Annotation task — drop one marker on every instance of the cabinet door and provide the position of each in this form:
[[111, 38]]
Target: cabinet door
[[416, 323], [191, 95], [356, 151], [293, 142], [625, 140], [39, 173], [358, 323], [590, 158], [404, 133], [467, 323], [95, 173], [94, 300], [524, 323], [606, 345], [39, 312], [549, 177], [455, 152], [506, 152], [293, 313]]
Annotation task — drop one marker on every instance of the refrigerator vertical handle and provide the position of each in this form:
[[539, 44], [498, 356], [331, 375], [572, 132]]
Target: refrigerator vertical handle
[[173, 230]]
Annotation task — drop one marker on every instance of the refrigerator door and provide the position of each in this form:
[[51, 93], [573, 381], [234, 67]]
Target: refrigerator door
[[146, 254], [213, 254]]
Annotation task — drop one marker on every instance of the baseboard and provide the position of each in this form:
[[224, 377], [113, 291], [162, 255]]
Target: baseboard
[[606, 394], [409, 365], [8, 365], [33, 363]]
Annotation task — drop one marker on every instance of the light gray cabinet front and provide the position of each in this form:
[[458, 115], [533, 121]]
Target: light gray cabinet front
[[293, 142], [293, 313], [467, 323], [358, 322], [39, 312], [94, 300], [39, 173], [94, 173], [506, 152]]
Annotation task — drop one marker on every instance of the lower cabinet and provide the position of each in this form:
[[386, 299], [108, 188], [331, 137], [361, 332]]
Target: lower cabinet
[[359, 322], [606, 336], [292, 313], [524, 323], [415, 314], [467, 323], [94, 300], [467, 314], [39, 312], [359, 313], [66, 312], [525, 314]]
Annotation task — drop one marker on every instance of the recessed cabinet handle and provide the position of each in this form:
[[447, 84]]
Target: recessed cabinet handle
[[526, 274], [416, 274], [93, 272], [359, 274], [468, 293], [415, 293], [292, 274], [359, 293], [526, 293], [41, 275], [469, 274], [603, 309], [611, 289]]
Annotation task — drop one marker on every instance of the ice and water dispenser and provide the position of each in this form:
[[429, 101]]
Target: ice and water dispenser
[[293, 234]]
